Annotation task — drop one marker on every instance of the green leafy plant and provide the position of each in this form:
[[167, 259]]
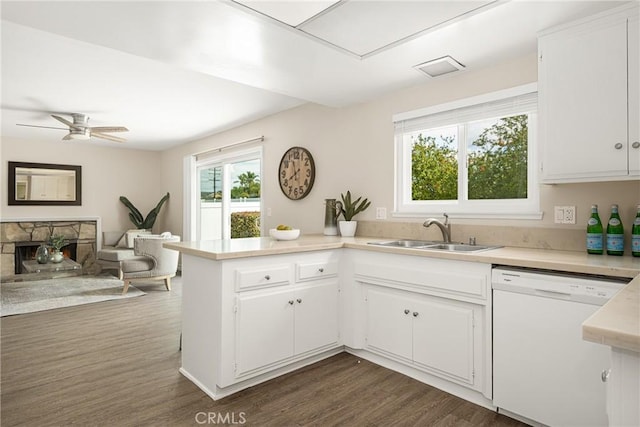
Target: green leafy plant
[[351, 208], [136, 217], [57, 242]]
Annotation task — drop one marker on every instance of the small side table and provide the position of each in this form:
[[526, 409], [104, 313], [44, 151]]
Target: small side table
[[32, 266]]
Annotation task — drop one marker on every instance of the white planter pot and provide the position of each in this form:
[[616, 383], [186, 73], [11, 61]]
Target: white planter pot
[[348, 228]]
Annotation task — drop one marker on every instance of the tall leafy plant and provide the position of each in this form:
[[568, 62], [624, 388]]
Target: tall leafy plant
[[136, 217]]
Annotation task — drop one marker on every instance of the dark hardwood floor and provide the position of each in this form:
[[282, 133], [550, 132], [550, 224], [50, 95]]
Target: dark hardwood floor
[[115, 363]]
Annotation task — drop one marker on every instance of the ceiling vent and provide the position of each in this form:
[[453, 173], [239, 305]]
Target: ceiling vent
[[440, 66]]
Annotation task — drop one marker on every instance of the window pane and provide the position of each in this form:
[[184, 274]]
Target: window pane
[[245, 199], [211, 184], [497, 158], [434, 164]]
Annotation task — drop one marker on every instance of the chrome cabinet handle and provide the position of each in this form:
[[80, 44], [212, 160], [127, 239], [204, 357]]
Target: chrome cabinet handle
[[415, 314], [406, 311], [321, 270], [618, 146], [604, 376], [299, 300], [267, 277], [636, 144], [290, 302]]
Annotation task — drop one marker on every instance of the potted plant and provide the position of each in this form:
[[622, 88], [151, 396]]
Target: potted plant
[[348, 210], [56, 242]]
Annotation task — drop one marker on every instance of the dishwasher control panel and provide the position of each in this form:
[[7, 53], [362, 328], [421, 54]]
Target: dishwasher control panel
[[579, 288]]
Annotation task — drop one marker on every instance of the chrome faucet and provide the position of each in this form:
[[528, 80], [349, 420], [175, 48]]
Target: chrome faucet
[[445, 227]]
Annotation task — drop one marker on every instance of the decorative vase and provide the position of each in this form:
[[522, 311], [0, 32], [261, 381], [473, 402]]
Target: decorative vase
[[42, 254], [56, 256], [348, 228]]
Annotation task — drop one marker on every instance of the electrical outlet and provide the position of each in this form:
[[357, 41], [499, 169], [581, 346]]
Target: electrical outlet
[[564, 214], [268, 211], [569, 215], [381, 213]]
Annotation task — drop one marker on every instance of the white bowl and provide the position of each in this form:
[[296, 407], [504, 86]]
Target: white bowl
[[284, 234]]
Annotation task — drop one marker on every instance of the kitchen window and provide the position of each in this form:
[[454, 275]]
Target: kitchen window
[[473, 158]]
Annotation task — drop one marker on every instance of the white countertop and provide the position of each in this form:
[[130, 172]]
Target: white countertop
[[569, 261], [617, 323]]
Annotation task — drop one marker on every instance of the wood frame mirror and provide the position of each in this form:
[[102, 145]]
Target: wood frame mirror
[[44, 184]]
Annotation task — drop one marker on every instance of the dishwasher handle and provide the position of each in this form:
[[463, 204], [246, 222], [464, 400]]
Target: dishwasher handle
[[555, 294]]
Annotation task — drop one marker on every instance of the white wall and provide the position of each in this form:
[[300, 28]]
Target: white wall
[[107, 174], [353, 150]]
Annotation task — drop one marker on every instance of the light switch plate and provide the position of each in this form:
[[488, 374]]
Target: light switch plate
[[381, 213]]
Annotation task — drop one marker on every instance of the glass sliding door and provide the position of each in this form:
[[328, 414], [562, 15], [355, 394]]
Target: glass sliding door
[[228, 196]]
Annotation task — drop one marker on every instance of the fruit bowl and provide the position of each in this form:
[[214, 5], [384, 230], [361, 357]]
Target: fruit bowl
[[284, 234]]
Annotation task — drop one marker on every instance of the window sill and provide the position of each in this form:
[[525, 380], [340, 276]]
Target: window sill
[[471, 215]]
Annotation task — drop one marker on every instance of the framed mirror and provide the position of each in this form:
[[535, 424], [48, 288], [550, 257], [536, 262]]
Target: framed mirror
[[44, 184]]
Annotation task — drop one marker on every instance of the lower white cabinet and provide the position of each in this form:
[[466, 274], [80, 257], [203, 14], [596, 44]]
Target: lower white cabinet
[[274, 325], [431, 315]]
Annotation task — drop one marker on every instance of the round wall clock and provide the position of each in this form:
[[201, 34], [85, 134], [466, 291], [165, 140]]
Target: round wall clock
[[296, 173]]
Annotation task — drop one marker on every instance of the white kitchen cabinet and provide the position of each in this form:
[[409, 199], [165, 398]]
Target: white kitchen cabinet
[[623, 388], [433, 333], [430, 315], [278, 324], [588, 99], [251, 319]]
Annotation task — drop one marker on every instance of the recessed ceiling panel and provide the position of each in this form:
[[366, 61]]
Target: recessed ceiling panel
[[362, 27], [292, 13]]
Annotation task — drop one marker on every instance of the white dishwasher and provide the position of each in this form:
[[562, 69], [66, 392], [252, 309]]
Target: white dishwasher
[[542, 368]]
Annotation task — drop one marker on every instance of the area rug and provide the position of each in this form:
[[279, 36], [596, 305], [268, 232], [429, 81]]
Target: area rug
[[39, 295]]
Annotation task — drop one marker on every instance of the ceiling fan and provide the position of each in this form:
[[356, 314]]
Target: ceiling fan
[[80, 129]]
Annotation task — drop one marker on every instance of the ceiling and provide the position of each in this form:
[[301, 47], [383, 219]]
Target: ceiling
[[173, 72]]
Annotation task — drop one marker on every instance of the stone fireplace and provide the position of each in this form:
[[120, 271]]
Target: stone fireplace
[[19, 238]]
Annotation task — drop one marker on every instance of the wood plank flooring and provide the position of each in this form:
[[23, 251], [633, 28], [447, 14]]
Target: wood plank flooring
[[115, 363]]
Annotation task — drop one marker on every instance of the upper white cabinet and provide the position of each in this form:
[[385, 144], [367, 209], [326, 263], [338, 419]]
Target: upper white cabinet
[[588, 99]]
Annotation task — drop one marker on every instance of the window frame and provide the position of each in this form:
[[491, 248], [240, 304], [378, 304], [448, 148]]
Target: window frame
[[528, 208]]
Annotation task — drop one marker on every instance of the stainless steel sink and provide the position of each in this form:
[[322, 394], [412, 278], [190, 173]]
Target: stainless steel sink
[[458, 247], [430, 245], [403, 243]]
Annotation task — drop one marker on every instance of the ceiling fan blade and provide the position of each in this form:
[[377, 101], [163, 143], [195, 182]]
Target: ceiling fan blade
[[109, 129], [36, 126], [67, 137], [66, 122], [109, 137]]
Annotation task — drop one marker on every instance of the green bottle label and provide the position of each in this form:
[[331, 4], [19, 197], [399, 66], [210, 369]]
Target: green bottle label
[[594, 241]]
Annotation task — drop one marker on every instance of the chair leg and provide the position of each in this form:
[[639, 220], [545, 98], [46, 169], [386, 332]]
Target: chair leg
[[167, 283], [126, 286]]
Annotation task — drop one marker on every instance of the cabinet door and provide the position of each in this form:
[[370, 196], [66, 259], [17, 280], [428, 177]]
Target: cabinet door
[[443, 337], [389, 322], [264, 329], [316, 316], [583, 102], [634, 97]]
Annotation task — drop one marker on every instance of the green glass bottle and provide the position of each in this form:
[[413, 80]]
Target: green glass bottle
[[594, 233], [615, 233], [635, 235]]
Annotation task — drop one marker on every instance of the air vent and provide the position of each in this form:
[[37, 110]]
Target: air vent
[[439, 67]]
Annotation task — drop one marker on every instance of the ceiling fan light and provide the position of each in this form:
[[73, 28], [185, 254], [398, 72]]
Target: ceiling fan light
[[79, 135]]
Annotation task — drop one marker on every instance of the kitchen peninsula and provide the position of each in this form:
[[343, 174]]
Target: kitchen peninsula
[[256, 308]]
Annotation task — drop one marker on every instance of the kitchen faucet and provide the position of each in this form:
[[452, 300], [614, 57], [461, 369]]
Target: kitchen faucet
[[445, 228]]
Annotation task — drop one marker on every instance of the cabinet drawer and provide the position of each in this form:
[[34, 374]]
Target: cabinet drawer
[[316, 270], [262, 277]]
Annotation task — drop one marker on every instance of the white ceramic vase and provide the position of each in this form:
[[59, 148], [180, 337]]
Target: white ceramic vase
[[348, 228], [56, 256]]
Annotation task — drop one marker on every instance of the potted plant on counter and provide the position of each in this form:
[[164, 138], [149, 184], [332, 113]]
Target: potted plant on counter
[[349, 209], [56, 242]]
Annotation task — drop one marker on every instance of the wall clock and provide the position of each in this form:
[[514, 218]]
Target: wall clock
[[296, 173]]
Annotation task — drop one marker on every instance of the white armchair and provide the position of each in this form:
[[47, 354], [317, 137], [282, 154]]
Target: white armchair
[[152, 261]]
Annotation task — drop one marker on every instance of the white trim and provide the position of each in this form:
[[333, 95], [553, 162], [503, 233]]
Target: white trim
[[466, 102]]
